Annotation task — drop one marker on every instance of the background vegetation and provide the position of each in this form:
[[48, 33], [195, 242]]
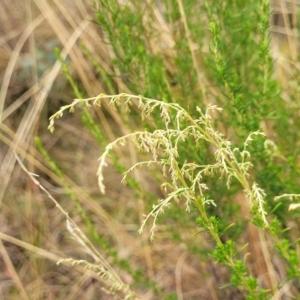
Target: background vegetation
[[239, 55]]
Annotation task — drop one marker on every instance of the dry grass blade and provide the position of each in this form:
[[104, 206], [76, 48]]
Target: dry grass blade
[[13, 59], [12, 271], [193, 49], [30, 118], [107, 272]]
